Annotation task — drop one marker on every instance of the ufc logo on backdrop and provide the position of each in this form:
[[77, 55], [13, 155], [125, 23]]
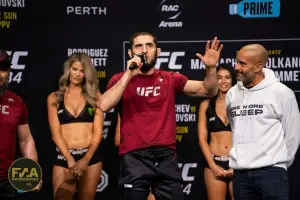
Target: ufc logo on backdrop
[[3, 109], [15, 56], [17, 65], [170, 58], [187, 170], [145, 91]]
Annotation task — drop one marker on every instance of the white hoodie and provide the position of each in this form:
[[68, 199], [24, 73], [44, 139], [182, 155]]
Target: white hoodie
[[265, 123]]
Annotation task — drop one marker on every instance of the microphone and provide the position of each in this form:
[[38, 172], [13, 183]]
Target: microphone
[[133, 66], [143, 57]]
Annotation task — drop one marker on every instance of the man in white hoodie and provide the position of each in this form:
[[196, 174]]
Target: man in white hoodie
[[265, 122]]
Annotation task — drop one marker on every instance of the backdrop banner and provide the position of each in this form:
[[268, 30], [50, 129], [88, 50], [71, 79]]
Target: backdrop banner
[[40, 35]]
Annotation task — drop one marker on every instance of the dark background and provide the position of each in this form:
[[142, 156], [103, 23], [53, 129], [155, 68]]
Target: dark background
[[46, 31]]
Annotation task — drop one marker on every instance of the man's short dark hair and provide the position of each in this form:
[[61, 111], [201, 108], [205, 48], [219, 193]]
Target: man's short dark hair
[[132, 37]]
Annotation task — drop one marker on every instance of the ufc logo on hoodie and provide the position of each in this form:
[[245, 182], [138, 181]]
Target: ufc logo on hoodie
[[252, 109], [146, 91]]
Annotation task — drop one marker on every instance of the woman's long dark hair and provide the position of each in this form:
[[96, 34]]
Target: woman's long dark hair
[[230, 69]]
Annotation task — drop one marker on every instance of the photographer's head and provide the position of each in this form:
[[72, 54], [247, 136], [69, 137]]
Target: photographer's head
[[144, 42], [5, 65]]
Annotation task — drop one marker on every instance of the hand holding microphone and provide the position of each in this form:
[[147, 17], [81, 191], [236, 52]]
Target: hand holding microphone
[[137, 61]]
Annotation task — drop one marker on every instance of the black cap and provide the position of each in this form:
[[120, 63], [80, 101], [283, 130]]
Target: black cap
[[4, 61]]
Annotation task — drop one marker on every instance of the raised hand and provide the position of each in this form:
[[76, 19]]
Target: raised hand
[[136, 60], [212, 53]]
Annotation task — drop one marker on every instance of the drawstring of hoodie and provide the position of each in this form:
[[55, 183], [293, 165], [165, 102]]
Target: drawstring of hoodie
[[246, 99], [241, 109]]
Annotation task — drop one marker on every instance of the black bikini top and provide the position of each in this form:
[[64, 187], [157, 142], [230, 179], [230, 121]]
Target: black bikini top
[[214, 123], [86, 115]]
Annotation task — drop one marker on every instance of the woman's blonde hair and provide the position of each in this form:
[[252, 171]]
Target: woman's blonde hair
[[89, 83]]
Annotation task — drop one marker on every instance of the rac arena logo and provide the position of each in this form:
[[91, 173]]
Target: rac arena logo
[[170, 10]]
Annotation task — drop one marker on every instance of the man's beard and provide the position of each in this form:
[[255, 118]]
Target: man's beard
[[3, 87], [147, 66], [247, 78]]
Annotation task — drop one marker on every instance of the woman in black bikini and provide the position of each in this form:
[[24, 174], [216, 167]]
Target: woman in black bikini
[[76, 125], [213, 123]]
